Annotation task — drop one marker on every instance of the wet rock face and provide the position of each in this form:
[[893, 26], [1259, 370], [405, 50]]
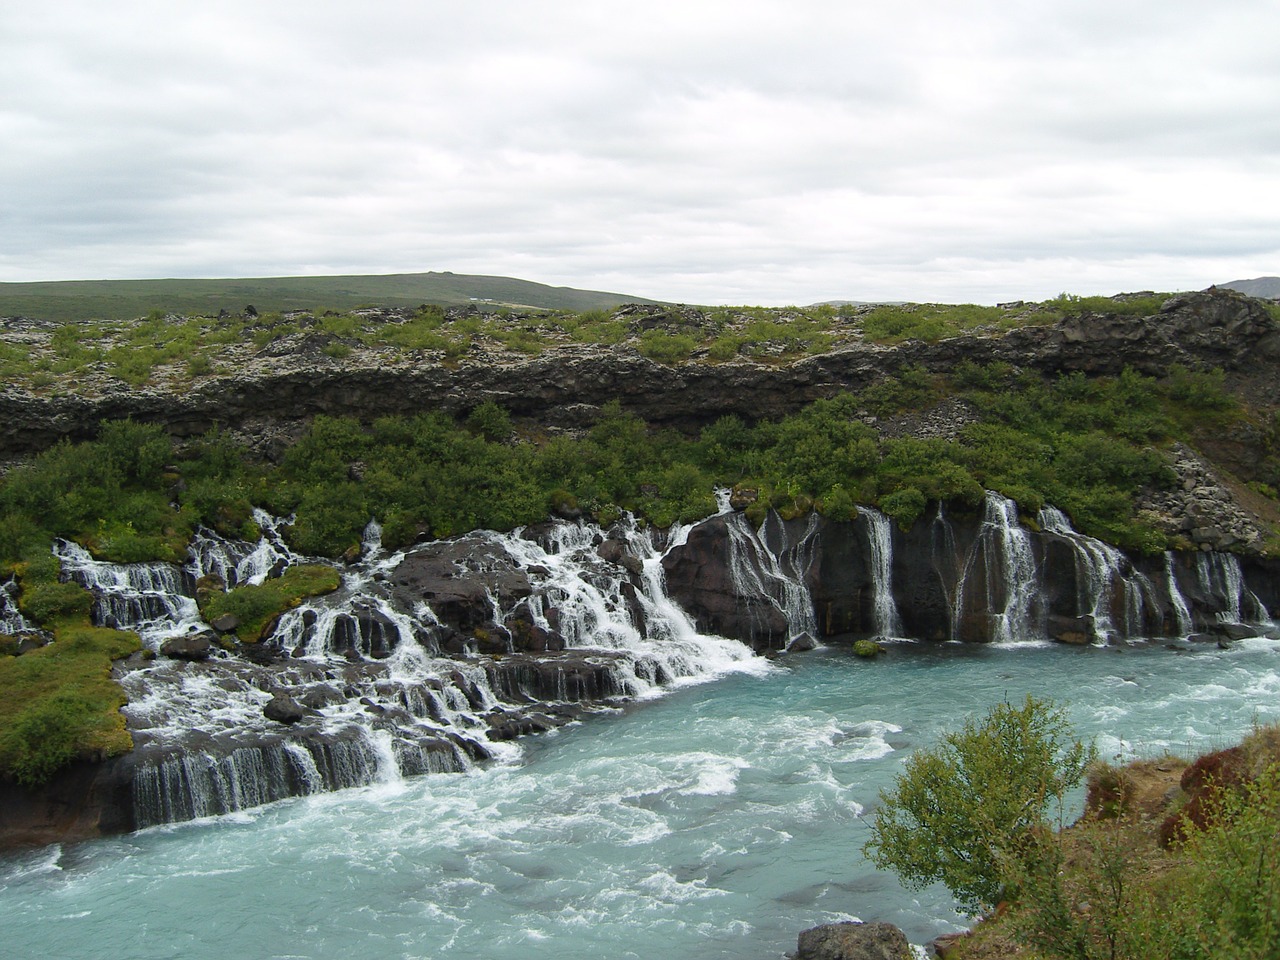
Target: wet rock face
[[954, 577], [701, 579], [464, 581], [82, 801]]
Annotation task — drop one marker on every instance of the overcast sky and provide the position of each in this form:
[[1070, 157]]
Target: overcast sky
[[702, 151]]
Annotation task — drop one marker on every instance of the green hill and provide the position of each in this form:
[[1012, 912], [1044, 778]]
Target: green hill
[[127, 299]]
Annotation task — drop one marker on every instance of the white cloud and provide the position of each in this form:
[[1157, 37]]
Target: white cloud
[[708, 152]]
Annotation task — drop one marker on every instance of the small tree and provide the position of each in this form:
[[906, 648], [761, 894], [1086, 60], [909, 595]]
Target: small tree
[[964, 809]]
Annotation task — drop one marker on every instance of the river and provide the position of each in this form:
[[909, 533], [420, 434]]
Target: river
[[715, 821]]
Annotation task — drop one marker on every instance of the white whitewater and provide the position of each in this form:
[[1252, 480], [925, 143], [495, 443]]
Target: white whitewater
[[239, 562], [382, 702], [880, 534], [1104, 573], [768, 566], [157, 600]]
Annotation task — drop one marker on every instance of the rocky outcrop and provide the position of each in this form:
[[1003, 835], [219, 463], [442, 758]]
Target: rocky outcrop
[[567, 386], [977, 577], [701, 577], [853, 940], [82, 801], [1201, 509]]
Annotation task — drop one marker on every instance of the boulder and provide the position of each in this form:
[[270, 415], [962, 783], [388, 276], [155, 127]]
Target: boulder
[[853, 940], [282, 708], [802, 644], [1077, 631], [457, 578], [1230, 632], [227, 623], [191, 646], [615, 551]]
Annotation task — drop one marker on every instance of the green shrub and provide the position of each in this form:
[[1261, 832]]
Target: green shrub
[[961, 810], [255, 606], [45, 601], [666, 347], [491, 421]]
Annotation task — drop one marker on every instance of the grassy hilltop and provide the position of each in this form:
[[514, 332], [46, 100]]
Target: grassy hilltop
[[128, 299]]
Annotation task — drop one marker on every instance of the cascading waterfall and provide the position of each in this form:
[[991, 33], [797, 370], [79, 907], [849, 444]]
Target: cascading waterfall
[[1219, 574], [239, 562], [768, 567], [370, 695], [379, 701], [594, 612], [1011, 578], [1181, 611], [888, 621], [1104, 571], [11, 619], [156, 600]]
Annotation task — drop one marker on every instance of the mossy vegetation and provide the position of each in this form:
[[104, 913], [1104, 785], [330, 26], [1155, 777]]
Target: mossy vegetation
[[256, 606], [60, 702], [165, 348]]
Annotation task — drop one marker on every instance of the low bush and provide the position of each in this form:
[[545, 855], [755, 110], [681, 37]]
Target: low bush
[[60, 702], [255, 606]]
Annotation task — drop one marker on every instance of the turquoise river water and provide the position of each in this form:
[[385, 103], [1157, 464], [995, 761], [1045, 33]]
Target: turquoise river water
[[716, 821]]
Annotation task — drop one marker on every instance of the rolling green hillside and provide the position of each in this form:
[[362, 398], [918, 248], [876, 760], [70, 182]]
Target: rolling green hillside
[[127, 299]]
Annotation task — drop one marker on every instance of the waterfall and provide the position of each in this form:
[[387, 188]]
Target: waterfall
[[880, 537], [595, 611], [238, 562], [768, 567], [378, 700], [1010, 577], [12, 622], [1219, 574], [156, 600], [1102, 571], [1181, 612]]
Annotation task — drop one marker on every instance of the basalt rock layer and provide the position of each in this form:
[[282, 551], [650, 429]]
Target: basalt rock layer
[[567, 385], [976, 577]]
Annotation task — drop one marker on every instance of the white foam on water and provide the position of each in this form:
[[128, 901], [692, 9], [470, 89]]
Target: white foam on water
[[29, 865], [718, 776]]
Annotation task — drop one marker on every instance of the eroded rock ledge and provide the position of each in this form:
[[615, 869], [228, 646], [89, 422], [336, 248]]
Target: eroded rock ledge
[[566, 386]]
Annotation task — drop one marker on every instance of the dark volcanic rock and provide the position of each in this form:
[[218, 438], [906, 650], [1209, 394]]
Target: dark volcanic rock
[[567, 386], [282, 708], [458, 578], [193, 646], [699, 578], [853, 941], [80, 802]]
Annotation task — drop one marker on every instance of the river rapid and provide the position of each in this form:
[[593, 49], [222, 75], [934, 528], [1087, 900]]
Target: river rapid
[[715, 821]]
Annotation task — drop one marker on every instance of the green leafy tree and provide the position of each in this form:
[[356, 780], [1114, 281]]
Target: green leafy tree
[[962, 810]]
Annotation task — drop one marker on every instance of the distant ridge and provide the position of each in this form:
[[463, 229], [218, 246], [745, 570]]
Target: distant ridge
[[1267, 287], [127, 299]]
